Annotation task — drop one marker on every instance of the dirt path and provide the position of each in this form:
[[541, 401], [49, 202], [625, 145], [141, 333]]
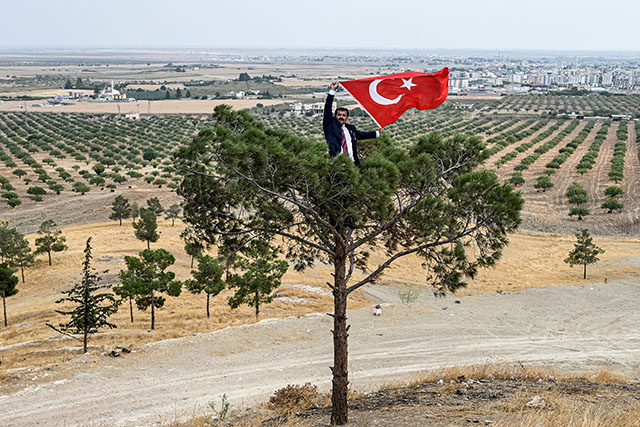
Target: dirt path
[[572, 327]]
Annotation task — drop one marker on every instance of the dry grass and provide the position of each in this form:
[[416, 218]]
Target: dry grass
[[40, 347], [499, 393], [510, 371]]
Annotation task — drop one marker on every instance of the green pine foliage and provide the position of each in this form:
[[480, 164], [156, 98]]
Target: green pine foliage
[[91, 307], [584, 251], [8, 284]]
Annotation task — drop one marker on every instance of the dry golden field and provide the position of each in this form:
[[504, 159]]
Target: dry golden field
[[530, 261]]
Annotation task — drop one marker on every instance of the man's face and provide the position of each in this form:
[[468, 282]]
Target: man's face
[[342, 116]]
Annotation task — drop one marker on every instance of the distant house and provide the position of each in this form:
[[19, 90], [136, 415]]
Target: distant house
[[299, 108]]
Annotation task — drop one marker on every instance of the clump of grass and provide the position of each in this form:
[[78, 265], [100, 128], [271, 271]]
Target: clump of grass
[[293, 398], [409, 294]]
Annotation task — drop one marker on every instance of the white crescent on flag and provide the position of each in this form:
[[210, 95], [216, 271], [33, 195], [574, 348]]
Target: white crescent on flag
[[379, 99]]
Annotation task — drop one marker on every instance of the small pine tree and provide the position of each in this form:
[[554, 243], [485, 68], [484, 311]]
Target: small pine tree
[[584, 251], [153, 204], [193, 247], [262, 275], [121, 209], [91, 308], [8, 284], [207, 278], [147, 278], [51, 240], [147, 228], [172, 213], [21, 255], [135, 211]]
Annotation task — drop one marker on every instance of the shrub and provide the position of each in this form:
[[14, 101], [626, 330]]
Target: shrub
[[293, 398]]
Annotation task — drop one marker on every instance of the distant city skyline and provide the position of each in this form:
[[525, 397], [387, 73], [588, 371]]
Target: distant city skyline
[[493, 25]]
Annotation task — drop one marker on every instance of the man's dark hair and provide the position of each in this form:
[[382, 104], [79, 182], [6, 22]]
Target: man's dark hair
[[342, 109]]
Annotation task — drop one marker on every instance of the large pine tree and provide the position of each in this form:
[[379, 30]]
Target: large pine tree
[[244, 182]]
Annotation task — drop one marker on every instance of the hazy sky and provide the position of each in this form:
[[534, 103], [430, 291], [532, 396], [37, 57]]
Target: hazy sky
[[408, 24]]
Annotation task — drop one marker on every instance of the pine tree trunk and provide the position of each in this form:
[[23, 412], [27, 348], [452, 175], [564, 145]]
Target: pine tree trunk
[[131, 308], [120, 221], [148, 244], [153, 310], [49, 252], [4, 308], [208, 313], [22, 271], [85, 338], [257, 304], [173, 220], [192, 261], [584, 275], [339, 405]]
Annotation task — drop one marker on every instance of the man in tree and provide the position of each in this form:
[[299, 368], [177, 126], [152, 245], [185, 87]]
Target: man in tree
[[341, 137], [51, 240], [121, 208], [207, 278], [584, 251], [92, 308], [262, 274], [244, 183], [8, 284], [147, 276], [147, 228]]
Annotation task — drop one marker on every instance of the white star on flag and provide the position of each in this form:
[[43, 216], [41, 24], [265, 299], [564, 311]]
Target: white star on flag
[[408, 83]]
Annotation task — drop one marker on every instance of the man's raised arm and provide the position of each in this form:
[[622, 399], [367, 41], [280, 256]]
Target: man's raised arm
[[328, 105]]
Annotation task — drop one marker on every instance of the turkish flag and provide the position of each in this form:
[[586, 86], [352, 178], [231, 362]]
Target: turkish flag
[[385, 98]]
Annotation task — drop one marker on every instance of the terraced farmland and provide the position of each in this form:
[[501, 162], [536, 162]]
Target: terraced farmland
[[53, 163]]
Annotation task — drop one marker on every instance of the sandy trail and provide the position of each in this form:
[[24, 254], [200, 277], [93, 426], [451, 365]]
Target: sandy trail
[[572, 327]]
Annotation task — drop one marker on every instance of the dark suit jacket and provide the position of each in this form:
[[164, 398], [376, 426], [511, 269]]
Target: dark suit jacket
[[333, 132]]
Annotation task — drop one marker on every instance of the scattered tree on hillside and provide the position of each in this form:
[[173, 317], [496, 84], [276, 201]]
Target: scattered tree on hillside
[[543, 183], [14, 248], [51, 240], [153, 204], [577, 195], [613, 191], [245, 183], [193, 247], [584, 251], [612, 205], [98, 168], [121, 209], [262, 275], [135, 211], [8, 284], [147, 276], [207, 278], [146, 229], [21, 255], [173, 212], [91, 307]]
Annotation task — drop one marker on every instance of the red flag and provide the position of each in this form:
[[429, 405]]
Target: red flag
[[385, 98]]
